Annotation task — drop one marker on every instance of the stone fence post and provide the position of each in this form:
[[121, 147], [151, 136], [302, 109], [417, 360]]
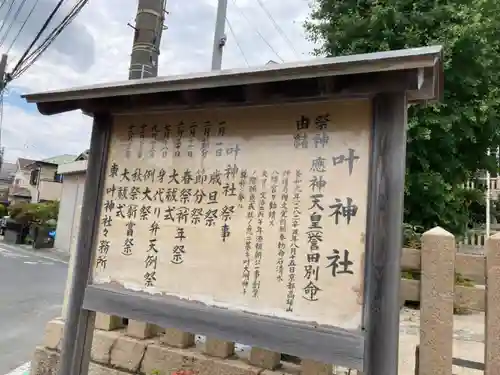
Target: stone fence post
[[492, 322], [436, 302]]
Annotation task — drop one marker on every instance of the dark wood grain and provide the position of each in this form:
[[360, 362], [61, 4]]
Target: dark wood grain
[[384, 234], [264, 93], [79, 325], [325, 344]]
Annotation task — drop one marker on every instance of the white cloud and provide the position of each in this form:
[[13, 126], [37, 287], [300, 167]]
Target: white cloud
[[96, 48]]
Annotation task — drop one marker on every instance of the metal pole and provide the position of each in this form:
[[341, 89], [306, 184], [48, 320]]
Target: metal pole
[[219, 35]]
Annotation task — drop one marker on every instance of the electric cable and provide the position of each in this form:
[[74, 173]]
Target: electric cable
[[231, 30], [278, 28], [22, 26], [30, 59], [4, 38], [7, 15], [38, 35], [257, 31]]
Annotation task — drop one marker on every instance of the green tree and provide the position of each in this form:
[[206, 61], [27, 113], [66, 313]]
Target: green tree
[[447, 142], [39, 213]]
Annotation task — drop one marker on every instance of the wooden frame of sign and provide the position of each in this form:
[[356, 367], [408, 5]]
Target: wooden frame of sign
[[242, 205]]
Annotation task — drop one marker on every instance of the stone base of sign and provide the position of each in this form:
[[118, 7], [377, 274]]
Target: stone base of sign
[[142, 330], [116, 352], [107, 322]]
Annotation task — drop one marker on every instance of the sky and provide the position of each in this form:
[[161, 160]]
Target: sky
[[96, 47]]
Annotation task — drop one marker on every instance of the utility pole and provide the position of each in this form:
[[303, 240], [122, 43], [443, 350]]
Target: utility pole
[[149, 25], [219, 35], [3, 82]]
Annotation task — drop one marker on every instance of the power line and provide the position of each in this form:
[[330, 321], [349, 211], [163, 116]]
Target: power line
[[4, 38], [237, 42], [44, 26], [33, 56], [257, 31], [7, 15], [278, 28], [3, 3], [22, 26]]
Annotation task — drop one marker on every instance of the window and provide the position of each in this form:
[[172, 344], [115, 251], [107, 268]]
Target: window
[[17, 181], [35, 174]]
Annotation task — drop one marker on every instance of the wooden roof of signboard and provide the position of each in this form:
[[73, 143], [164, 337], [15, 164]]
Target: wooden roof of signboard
[[417, 71]]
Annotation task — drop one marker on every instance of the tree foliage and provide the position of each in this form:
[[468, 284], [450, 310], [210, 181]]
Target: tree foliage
[[447, 142], [45, 213]]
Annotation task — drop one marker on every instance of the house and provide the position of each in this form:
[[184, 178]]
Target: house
[[73, 182], [37, 180], [20, 190], [7, 173]]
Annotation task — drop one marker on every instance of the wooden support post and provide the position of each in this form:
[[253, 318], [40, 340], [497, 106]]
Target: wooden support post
[[79, 326], [436, 302], [384, 235]]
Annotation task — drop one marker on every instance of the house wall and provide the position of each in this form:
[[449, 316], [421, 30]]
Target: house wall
[[69, 211], [47, 172], [49, 190], [22, 179]]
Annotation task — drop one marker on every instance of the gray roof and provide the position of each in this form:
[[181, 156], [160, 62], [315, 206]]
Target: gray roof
[[426, 60], [25, 163]]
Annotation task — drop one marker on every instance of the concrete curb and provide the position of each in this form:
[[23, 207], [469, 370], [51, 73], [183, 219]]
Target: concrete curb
[[47, 253]]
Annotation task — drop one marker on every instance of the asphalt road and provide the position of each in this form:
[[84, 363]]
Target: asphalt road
[[31, 293]]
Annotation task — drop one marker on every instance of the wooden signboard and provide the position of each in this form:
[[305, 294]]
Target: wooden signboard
[[261, 206], [259, 210]]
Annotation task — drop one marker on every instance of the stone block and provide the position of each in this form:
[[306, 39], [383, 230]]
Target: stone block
[[265, 359], [127, 353], [107, 322], [436, 302], [45, 362], [162, 360], [492, 322], [177, 338], [102, 344], [53, 334], [97, 369], [219, 348], [310, 367], [141, 330]]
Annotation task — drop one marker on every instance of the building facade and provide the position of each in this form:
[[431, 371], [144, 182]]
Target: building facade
[[37, 180], [73, 182]]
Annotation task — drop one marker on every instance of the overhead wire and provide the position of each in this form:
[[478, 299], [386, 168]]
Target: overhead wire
[[52, 36], [3, 3], [38, 35], [231, 30], [29, 59], [7, 15], [257, 31], [278, 28], [12, 23], [22, 26]]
